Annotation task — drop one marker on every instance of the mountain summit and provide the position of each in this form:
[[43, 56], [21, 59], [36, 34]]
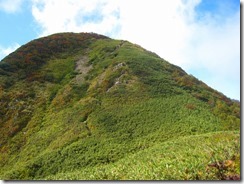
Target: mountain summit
[[82, 106]]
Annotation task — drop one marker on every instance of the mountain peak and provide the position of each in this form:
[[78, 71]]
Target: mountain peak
[[43, 48]]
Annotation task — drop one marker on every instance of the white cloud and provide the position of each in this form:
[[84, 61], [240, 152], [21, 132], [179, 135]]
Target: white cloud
[[213, 44], [215, 47], [4, 51], [158, 26], [169, 28], [75, 15], [11, 6]]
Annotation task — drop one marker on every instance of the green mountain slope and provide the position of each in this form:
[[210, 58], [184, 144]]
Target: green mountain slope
[[84, 106]]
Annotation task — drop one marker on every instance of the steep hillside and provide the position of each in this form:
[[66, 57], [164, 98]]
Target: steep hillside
[[84, 106]]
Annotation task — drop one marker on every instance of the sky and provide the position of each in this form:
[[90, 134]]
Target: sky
[[200, 36]]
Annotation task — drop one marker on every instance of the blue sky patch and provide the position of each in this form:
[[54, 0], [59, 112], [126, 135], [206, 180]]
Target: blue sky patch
[[16, 28], [217, 8]]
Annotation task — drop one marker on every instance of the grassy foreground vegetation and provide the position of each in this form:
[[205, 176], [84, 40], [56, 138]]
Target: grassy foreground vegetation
[[179, 159], [103, 109]]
